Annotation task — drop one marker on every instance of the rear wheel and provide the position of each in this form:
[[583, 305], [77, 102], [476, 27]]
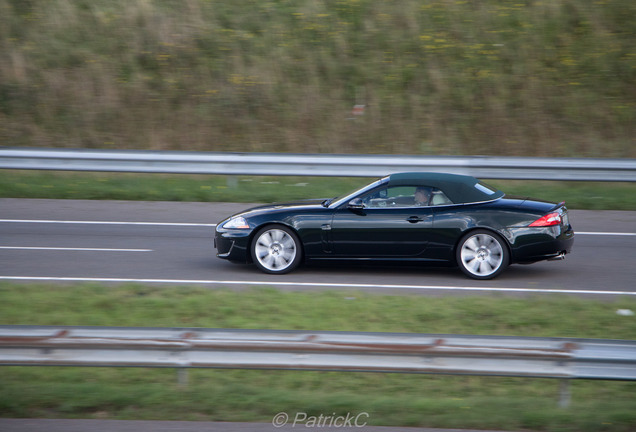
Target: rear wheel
[[276, 249], [482, 254]]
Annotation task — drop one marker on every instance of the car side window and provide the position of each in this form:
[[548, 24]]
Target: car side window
[[395, 196], [405, 196], [439, 198], [427, 196]]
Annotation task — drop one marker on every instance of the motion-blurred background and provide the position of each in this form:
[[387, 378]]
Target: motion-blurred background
[[495, 77]]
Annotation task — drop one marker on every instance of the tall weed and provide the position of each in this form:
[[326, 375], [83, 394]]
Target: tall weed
[[502, 77]]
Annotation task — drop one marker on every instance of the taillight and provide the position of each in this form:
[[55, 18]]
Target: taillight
[[550, 219]]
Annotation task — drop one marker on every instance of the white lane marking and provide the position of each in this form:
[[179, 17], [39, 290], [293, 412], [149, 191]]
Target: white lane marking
[[107, 223], [178, 224], [316, 284], [605, 233], [73, 249]]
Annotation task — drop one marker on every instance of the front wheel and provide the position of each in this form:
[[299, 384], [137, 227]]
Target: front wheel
[[276, 249], [482, 254]]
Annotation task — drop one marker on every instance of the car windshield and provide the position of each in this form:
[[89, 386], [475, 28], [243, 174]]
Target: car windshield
[[336, 201]]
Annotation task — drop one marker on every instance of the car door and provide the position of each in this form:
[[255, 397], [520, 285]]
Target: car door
[[384, 223]]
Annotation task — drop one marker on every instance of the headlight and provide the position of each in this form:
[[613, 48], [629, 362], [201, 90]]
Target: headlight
[[237, 222]]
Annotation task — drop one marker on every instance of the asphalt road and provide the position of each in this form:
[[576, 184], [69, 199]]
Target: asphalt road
[[38, 425], [171, 243]]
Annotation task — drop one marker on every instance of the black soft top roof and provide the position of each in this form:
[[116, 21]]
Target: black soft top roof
[[460, 189]]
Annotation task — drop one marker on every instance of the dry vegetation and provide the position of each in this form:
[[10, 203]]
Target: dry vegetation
[[522, 77]]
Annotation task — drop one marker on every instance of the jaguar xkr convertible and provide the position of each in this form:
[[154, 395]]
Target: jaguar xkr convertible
[[402, 218]]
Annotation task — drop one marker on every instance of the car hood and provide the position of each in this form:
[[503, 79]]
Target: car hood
[[273, 208], [299, 203]]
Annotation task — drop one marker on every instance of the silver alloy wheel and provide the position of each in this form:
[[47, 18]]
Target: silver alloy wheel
[[482, 255], [275, 250]]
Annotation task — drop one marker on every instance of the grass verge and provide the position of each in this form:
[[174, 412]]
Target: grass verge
[[156, 187], [238, 395]]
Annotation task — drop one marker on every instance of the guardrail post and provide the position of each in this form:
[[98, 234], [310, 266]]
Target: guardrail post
[[564, 393], [232, 182], [182, 377]]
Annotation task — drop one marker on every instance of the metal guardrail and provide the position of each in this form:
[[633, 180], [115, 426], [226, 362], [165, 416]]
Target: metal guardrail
[[315, 164], [561, 358]]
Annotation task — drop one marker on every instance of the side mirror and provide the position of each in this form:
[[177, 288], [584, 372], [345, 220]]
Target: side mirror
[[356, 204]]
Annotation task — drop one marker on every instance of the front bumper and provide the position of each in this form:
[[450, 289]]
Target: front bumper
[[232, 245]]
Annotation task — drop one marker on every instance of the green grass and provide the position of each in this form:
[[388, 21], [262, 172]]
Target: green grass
[[155, 187], [240, 395], [139, 305], [503, 77]]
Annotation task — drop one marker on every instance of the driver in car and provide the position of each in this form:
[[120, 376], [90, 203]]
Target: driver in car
[[422, 196]]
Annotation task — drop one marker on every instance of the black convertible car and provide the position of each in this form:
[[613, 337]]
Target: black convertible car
[[405, 217]]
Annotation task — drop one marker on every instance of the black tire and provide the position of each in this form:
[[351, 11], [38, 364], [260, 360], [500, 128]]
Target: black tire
[[482, 254], [276, 249]]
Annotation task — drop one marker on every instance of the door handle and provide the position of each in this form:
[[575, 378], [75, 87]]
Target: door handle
[[414, 219]]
